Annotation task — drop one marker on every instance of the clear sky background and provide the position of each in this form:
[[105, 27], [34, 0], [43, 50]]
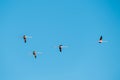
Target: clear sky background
[[74, 23]]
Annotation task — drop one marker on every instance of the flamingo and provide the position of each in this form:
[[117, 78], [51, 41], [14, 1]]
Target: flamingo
[[60, 48], [100, 40], [25, 38], [34, 54]]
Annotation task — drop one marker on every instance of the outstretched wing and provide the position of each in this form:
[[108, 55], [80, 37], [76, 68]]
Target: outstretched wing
[[24, 37], [35, 56], [60, 49], [100, 37], [25, 40]]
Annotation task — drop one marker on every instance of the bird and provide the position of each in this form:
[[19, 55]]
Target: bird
[[25, 38], [60, 48], [34, 54], [100, 40]]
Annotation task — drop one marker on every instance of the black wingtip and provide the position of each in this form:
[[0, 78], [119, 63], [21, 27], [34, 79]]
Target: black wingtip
[[100, 42], [101, 37], [35, 57], [25, 41], [60, 50]]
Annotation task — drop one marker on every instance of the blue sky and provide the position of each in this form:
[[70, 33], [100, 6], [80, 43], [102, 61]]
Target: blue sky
[[74, 23]]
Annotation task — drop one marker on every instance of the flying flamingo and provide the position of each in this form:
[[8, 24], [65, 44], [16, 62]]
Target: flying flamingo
[[101, 40], [25, 38]]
